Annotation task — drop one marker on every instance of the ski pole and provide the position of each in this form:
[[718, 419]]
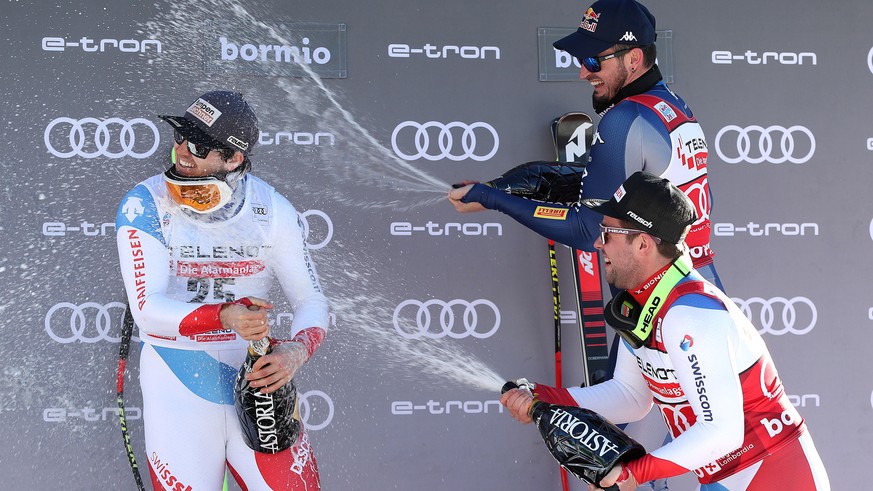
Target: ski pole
[[123, 351]]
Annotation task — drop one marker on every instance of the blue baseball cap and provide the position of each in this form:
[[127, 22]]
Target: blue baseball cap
[[607, 23]]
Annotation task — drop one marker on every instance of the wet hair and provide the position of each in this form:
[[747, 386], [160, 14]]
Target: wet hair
[[227, 153]]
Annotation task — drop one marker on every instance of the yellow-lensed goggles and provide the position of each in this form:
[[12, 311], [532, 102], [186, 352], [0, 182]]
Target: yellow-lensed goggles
[[198, 194]]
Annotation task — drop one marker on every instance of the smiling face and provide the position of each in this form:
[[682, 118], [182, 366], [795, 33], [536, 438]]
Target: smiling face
[[614, 74], [189, 165], [622, 267]]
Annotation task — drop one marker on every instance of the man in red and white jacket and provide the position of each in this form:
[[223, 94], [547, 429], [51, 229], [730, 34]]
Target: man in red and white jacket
[[689, 350]]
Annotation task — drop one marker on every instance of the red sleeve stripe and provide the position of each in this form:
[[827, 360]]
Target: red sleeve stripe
[[649, 467], [311, 338], [554, 395], [204, 319]]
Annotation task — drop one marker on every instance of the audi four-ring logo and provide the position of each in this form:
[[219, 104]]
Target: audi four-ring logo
[[304, 217], [99, 130], [779, 315], [765, 137], [477, 141], [445, 311], [89, 322], [315, 405]]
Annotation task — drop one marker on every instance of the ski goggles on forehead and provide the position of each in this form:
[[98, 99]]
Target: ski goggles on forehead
[[592, 63], [199, 150], [198, 194]]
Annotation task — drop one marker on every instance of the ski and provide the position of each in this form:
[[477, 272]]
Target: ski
[[572, 134]]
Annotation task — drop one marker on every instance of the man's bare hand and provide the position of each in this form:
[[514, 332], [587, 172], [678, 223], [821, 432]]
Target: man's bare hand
[[456, 194], [518, 402], [249, 322], [276, 369]]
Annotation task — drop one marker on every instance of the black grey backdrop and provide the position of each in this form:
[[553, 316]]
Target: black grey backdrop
[[392, 102]]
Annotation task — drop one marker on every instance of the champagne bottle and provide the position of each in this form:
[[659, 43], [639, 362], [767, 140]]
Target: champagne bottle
[[553, 182], [270, 422], [582, 441]]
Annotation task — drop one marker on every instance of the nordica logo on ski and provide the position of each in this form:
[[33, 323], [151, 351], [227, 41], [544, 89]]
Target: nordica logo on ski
[[582, 433], [576, 148], [265, 412]]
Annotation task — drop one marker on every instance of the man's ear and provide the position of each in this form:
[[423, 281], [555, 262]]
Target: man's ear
[[637, 55], [234, 162], [647, 243]]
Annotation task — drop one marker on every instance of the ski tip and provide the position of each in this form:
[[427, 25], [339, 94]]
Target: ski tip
[[573, 115]]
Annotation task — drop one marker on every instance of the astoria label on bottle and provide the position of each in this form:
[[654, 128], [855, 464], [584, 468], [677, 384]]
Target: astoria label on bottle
[[582, 441], [269, 422], [579, 430]]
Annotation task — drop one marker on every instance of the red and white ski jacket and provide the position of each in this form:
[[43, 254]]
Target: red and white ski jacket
[[710, 374]]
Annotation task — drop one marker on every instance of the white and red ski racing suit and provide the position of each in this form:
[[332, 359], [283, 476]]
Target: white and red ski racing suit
[[710, 374], [179, 268]]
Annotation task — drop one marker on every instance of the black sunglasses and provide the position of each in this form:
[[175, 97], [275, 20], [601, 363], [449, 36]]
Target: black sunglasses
[[198, 150], [592, 64]]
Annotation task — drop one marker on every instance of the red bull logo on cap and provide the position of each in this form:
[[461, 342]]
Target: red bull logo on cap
[[589, 20]]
